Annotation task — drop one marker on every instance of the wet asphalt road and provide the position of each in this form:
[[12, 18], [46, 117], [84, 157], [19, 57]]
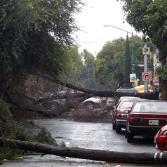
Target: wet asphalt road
[[93, 136], [84, 135]]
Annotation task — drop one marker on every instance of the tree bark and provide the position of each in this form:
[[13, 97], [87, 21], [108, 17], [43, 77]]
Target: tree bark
[[112, 93], [164, 90], [98, 155]]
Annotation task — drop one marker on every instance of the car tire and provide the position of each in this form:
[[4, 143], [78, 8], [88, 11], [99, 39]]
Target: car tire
[[113, 126], [90, 105], [125, 133], [117, 128], [129, 137]]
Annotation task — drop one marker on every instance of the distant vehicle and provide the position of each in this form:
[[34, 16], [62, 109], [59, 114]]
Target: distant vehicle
[[53, 105], [161, 139], [146, 118], [92, 102], [137, 89], [119, 114], [126, 90], [140, 88], [110, 102]]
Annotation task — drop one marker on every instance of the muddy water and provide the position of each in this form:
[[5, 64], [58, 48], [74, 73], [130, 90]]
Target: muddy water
[[85, 135]]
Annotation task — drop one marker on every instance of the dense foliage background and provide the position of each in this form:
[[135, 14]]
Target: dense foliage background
[[150, 17]]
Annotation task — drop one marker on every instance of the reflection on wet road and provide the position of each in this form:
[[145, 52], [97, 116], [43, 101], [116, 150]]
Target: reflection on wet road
[[85, 135], [93, 135]]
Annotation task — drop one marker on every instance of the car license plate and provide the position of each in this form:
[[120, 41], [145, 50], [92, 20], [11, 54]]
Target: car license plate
[[153, 122]]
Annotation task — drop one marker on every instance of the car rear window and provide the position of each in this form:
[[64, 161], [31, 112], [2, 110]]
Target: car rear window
[[158, 107], [126, 105], [125, 98]]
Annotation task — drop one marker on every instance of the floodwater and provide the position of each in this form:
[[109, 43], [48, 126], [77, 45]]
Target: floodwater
[[84, 135]]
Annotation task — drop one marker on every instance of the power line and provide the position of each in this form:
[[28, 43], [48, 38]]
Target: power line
[[118, 28], [97, 40]]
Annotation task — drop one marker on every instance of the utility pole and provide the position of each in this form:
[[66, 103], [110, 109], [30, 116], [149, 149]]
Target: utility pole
[[127, 63], [132, 58], [146, 52]]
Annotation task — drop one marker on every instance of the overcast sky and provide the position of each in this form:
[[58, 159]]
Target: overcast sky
[[91, 21]]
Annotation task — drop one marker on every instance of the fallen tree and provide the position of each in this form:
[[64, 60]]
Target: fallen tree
[[98, 155], [107, 93], [21, 98], [63, 96], [17, 97]]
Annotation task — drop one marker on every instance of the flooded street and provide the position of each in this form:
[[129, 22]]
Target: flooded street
[[84, 135]]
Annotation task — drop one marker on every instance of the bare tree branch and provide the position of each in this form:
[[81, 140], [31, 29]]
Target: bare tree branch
[[64, 96]]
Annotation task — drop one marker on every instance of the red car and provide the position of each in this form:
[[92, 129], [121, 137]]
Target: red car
[[119, 114], [146, 118], [125, 98], [161, 139]]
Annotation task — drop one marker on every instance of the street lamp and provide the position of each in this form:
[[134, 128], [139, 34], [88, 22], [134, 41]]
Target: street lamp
[[106, 25]]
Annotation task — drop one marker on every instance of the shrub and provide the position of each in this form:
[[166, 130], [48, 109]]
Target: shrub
[[44, 136]]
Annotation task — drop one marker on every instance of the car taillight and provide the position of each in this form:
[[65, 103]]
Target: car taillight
[[133, 120], [122, 115]]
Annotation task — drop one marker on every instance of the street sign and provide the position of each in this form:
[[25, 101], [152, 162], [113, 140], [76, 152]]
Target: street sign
[[132, 77], [146, 76], [146, 50]]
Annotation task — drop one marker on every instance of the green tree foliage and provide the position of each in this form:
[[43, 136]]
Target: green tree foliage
[[33, 34], [127, 64], [112, 62], [33, 39], [12, 130], [150, 17], [109, 63], [80, 67], [44, 136], [88, 73], [74, 65], [9, 129]]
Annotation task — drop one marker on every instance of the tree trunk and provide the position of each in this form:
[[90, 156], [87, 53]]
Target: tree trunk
[[163, 94], [99, 155], [163, 59], [112, 93]]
